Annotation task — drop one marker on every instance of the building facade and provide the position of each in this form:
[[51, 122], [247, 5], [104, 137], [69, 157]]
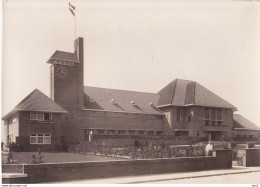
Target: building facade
[[183, 110]]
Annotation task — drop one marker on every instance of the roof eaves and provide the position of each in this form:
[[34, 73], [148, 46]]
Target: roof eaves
[[248, 129], [62, 59], [158, 113], [52, 111], [214, 106], [8, 114]]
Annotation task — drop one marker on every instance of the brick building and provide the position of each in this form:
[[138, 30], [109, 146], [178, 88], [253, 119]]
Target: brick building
[[244, 130], [183, 109]]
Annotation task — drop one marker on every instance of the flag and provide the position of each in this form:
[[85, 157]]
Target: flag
[[72, 9]]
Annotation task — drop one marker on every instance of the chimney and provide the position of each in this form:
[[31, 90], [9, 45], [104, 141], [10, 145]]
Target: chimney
[[79, 51], [79, 48]]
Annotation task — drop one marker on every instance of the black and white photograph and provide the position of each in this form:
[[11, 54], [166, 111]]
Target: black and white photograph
[[130, 92]]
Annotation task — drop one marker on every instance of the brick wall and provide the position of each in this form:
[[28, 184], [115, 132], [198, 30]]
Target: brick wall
[[90, 170], [249, 157], [27, 127], [197, 120]]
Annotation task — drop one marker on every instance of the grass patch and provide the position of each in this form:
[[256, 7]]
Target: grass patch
[[26, 157]]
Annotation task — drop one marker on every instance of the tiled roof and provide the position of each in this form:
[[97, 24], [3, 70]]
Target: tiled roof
[[103, 97], [241, 122], [61, 55], [37, 101], [184, 92]]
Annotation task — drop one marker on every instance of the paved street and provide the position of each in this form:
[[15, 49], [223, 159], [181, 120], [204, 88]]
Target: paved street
[[242, 178], [236, 175]]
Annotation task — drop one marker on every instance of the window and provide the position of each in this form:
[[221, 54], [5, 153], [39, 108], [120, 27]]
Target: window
[[47, 139], [131, 115], [219, 114], [98, 113], [131, 132], [141, 132], [46, 116], [120, 115], [110, 114], [178, 115], [207, 122], [219, 123], [33, 139], [150, 132], [181, 133], [110, 132], [198, 133], [87, 131], [213, 114], [100, 131], [206, 113], [121, 132], [159, 117], [188, 118], [150, 116], [158, 133], [40, 138], [40, 116]]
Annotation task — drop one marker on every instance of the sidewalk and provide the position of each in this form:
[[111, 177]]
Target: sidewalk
[[165, 177]]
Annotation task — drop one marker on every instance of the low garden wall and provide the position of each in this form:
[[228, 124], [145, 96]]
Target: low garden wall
[[248, 157], [40, 173]]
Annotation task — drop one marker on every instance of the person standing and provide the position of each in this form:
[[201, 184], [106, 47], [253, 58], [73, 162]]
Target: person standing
[[209, 149]]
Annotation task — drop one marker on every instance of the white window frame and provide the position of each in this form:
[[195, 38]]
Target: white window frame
[[37, 136], [39, 116]]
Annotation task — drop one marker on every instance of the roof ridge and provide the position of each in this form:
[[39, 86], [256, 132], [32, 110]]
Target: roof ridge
[[194, 97], [124, 90], [173, 92]]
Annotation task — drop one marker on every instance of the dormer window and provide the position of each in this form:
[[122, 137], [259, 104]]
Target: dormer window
[[91, 100], [113, 101]]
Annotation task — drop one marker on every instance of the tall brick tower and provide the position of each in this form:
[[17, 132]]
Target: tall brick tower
[[67, 78]]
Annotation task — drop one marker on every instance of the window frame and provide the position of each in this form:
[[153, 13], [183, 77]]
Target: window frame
[[121, 132], [44, 136], [40, 116]]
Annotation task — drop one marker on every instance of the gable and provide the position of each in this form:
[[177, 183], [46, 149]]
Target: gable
[[37, 101]]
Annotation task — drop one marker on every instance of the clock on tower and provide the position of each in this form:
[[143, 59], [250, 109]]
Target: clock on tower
[[61, 72]]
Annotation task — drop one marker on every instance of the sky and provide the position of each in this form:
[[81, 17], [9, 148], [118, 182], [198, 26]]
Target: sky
[[137, 45]]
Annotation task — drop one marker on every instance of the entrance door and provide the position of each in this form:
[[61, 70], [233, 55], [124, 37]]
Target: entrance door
[[213, 136]]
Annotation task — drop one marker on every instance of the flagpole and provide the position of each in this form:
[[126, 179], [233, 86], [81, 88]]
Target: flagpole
[[73, 11], [75, 27]]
